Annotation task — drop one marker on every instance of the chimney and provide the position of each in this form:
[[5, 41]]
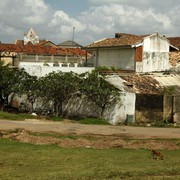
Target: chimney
[[117, 35]]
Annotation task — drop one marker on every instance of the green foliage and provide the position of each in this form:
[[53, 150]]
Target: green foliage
[[58, 88], [98, 90], [170, 90], [27, 161], [105, 68], [162, 123], [11, 81], [11, 116], [102, 68]]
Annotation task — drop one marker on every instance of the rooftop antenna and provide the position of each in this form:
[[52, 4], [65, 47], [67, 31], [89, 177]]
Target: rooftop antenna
[[73, 33]]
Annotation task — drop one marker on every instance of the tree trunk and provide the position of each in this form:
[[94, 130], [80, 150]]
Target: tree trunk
[[102, 111]]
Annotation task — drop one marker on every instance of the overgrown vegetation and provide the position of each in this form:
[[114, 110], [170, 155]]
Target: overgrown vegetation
[[170, 90], [56, 89], [26, 161]]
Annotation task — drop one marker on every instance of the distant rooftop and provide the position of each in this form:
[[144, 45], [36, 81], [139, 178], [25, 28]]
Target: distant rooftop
[[70, 44]]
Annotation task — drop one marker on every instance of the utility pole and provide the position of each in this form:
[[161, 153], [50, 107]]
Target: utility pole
[[73, 33]]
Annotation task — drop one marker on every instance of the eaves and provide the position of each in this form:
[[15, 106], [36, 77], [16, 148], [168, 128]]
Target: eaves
[[108, 47]]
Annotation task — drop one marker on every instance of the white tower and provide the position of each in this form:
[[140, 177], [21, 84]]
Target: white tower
[[31, 36]]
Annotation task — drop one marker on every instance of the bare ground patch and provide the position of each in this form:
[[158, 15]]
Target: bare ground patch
[[90, 141]]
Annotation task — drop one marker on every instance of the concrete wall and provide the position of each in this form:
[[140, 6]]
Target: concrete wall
[[172, 108], [39, 70], [118, 58], [7, 60], [155, 54], [119, 112], [45, 58]]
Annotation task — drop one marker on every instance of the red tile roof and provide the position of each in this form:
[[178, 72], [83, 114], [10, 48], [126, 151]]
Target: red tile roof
[[174, 58], [175, 41], [46, 43], [41, 50], [121, 39]]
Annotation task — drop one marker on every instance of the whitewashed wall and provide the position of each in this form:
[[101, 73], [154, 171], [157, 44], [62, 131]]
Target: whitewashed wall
[[155, 54], [39, 70], [119, 112]]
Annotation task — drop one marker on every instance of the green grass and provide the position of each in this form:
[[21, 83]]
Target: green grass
[[95, 121], [27, 161], [12, 116]]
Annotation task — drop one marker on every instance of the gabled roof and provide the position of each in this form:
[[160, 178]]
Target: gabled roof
[[121, 39], [69, 44], [175, 41], [46, 43], [41, 50]]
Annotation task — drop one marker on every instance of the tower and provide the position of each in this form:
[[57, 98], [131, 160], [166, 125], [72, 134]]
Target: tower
[[31, 36]]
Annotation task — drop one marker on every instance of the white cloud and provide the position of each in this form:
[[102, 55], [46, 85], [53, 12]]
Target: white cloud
[[102, 20], [107, 19]]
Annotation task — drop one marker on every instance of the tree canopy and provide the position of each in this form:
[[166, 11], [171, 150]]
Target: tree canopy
[[58, 88], [99, 91]]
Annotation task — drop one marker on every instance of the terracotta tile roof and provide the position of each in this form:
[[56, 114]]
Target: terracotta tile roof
[[41, 50], [121, 39], [45, 43], [175, 41], [143, 84], [70, 44], [19, 42], [174, 58]]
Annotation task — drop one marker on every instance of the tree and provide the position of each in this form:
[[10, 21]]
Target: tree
[[58, 88], [98, 90], [10, 82], [30, 87]]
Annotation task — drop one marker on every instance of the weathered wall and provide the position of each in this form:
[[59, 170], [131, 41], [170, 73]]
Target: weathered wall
[[51, 58], [7, 60], [155, 54], [116, 113], [149, 108], [119, 113], [177, 109], [39, 71], [118, 58], [172, 108], [168, 108]]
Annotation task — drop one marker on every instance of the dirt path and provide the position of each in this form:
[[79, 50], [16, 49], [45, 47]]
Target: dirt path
[[67, 127]]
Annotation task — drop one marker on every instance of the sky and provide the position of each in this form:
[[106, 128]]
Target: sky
[[54, 20]]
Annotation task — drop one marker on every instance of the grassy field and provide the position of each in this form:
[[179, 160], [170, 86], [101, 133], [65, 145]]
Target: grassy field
[[27, 161], [17, 117]]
